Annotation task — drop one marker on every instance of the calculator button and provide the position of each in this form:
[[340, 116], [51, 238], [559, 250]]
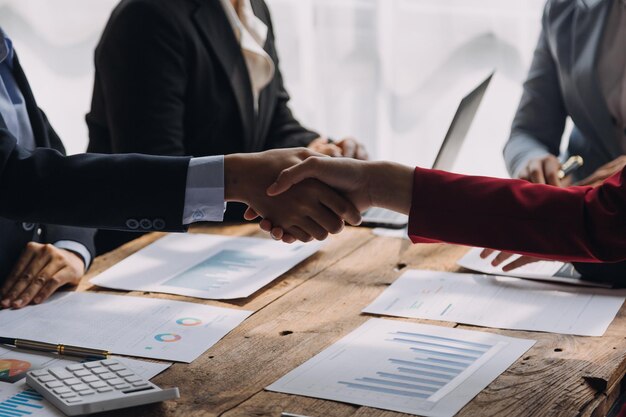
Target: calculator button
[[99, 370], [140, 384], [107, 375], [117, 367], [116, 381], [124, 373], [68, 395], [105, 389], [61, 373], [80, 387], [90, 365], [46, 378], [83, 393], [73, 400], [62, 390], [133, 378], [73, 368], [82, 373], [39, 373], [98, 384], [90, 378], [54, 384], [124, 386], [109, 362], [72, 381]]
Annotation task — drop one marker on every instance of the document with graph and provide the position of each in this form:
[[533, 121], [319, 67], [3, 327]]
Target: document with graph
[[134, 326], [550, 271], [19, 400], [206, 266], [406, 367], [500, 302]]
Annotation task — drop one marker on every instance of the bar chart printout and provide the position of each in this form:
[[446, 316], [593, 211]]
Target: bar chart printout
[[406, 367]]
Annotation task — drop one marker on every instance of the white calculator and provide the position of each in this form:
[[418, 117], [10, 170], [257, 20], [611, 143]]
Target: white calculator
[[93, 387]]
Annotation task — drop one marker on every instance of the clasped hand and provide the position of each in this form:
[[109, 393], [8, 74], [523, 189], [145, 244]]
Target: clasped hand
[[310, 210]]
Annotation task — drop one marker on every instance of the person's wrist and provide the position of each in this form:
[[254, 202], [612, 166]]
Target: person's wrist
[[235, 183], [391, 186]]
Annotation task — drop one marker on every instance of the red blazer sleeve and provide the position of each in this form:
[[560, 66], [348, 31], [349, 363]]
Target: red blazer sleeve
[[576, 224]]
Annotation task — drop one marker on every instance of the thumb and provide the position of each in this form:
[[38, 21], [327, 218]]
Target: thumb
[[291, 176], [250, 214]]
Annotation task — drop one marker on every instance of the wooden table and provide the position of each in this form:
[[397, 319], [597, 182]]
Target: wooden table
[[320, 301]]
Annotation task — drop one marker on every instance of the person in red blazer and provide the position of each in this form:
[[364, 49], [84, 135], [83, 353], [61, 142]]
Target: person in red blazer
[[576, 224]]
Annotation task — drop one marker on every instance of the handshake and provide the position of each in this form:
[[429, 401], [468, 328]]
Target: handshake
[[303, 195]]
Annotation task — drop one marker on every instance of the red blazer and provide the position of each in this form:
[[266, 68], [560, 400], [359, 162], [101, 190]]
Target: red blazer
[[576, 224]]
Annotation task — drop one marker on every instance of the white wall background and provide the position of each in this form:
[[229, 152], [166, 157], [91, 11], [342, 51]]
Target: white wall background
[[389, 72]]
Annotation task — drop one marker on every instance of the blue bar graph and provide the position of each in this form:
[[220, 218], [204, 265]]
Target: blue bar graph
[[23, 404], [436, 363], [217, 271]]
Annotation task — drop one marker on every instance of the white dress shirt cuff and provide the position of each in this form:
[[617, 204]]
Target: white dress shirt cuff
[[78, 248], [204, 195]]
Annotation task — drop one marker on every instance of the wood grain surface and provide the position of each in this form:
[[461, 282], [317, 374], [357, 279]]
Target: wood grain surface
[[318, 302]]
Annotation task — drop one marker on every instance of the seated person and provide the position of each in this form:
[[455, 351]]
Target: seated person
[[35, 259], [175, 77], [577, 72]]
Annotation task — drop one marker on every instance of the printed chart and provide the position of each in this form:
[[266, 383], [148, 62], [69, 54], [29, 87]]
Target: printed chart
[[206, 266], [405, 367]]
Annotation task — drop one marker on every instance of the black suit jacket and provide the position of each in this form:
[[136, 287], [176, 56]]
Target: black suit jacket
[[171, 80], [14, 235]]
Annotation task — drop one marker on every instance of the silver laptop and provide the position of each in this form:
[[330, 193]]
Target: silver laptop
[[448, 152]]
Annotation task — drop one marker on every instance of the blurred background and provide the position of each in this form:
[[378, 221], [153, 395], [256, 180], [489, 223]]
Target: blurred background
[[389, 72]]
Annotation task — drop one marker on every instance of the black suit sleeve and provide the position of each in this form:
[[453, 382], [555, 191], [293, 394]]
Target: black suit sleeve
[[285, 131], [104, 191], [141, 67], [55, 233]]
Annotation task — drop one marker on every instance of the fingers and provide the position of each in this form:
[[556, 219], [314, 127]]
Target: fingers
[[486, 253], [250, 214], [59, 279], [29, 277], [299, 234], [321, 145], [348, 147], [551, 167], [501, 257], [361, 153], [294, 175], [342, 207], [18, 271], [524, 260]]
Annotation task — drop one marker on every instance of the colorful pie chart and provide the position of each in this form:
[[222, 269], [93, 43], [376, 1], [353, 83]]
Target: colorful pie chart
[[167, 337], [11, 369], [189, 321]]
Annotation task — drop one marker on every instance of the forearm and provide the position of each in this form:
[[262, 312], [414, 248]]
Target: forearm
[[391, 186], [575, 224]]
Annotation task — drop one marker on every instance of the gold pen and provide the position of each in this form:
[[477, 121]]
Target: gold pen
[[60, 349], [571, 165]]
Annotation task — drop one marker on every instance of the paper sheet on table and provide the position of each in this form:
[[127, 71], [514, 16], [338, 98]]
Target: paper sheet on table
[[19, 399], [550, 271], [206, 266], [134, 326], [500, 302], [411, 368]]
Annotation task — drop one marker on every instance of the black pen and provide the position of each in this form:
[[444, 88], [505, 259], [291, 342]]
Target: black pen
[[55, 348]]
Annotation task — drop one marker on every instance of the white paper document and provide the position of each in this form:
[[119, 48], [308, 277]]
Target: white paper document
[[500, 302], [550, 271], [411, 368], [19, 400], [206, 266], [134, 326]]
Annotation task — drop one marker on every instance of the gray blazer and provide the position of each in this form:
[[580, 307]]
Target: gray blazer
[[562, 82]]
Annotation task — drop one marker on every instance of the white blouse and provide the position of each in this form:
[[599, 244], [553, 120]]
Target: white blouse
[[251, 33]]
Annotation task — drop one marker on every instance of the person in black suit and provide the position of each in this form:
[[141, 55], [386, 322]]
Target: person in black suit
[[193, 77], [35, 258]]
